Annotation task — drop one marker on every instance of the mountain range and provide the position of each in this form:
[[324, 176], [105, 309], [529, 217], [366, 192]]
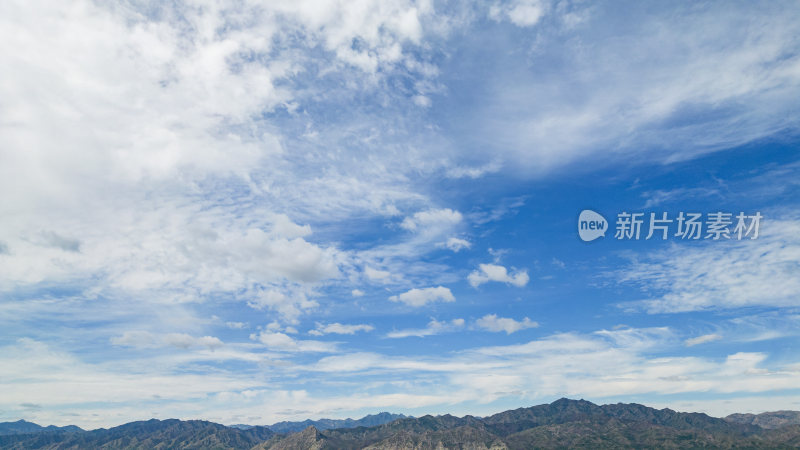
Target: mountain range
[[562, 424], [327, 424], [24, 427]]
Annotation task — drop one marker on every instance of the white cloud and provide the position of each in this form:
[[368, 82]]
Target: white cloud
[[377, 274], [721, 275], [456, 244], [662, 69], [605, 364], [145, 339], [522, 13], [338, 328], [691, 342], [284, 227], [183, 160], [422, 101], [421, 297], [495, 324], [474, 172], [61, 381], [494, 272], [290, 306], [433, 220], [282, 342], [382, 26], [357, 293], [661, 196], [434, 327]]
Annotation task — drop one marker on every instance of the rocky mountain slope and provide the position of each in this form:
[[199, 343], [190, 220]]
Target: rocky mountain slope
[[561, 424]]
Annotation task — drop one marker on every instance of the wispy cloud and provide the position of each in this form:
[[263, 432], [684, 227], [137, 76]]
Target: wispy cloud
[[661, 196], [145, 339], [681, 82], [282, 342], [434, 327], [706, 338], [338, 328], [732, 274]]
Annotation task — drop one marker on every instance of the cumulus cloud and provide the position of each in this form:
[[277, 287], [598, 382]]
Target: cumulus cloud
[[283, 226], [522, 13], [377, 274], [197, 185], [494, 272], [433, 220], [434, 327], [457, 244], [290, 306], [338, 328], [491, 322], [421, 297]]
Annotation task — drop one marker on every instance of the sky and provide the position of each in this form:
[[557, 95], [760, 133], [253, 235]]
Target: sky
[[249, 212]]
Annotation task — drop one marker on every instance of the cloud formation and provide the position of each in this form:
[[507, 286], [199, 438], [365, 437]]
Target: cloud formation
[[420, 297], [182, 170], [145, 339], [491, 322], [431, 220], [434, 327], [338, 328], [282, 342], [691, 342], [716, 276], [494, 272]]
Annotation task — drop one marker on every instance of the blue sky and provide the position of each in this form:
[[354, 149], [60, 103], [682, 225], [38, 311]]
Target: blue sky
[[251, 212]]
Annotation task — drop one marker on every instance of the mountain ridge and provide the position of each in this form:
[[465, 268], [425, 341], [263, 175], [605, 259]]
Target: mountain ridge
[[327, 424], [24, 427], [768, 420], [562, 423]]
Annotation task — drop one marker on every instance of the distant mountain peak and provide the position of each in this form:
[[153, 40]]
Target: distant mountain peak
[[369, 420], [768, 420], [22, 426]]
